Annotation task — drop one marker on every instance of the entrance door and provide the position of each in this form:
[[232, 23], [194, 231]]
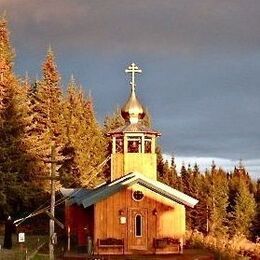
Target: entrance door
[[137, 229]]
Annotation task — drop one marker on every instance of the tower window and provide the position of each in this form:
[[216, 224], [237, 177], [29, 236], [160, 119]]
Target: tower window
[[119, 145], [134, 144], [138, 225], [148, 145]]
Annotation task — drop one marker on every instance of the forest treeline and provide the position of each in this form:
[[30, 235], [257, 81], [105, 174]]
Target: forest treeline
[[37, 114]]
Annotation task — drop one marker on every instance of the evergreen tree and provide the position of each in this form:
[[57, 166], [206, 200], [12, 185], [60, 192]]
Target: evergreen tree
[[185, 179], [85, 144], [165, 173], [244, 210], [217, 201], [174, 178], [196, 170], [147, 120], [256, 221], [13, 123], [200, 219], [50, 98], [196, 214], [113, 121], [160, 164], [185, 186], [190, 180], [46, 110]]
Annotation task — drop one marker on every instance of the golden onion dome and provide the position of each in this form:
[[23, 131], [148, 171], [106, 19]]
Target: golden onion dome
[[132, 111]]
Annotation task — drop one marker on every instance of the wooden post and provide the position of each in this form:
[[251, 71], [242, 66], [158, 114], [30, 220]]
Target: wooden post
[[142, 143], [68, 238], [125, 144], [52, 209], [114, 144], [153, 145]]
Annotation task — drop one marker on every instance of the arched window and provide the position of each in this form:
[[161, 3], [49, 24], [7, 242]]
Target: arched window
[[138, 225]]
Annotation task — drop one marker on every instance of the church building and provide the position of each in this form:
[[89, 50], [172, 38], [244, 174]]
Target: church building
[[134, 212]]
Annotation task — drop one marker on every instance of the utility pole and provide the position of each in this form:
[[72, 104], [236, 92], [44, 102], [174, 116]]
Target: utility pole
[[51, 214], [52, 209]]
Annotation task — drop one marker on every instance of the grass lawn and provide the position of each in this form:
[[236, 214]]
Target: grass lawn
[[18, 251]]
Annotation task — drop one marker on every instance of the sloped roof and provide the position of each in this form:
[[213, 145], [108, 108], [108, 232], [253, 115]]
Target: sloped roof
[[130, 128], [88, 198], [75, 196]]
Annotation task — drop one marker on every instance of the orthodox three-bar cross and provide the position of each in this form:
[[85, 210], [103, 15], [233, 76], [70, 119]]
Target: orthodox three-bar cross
[[133, 69]]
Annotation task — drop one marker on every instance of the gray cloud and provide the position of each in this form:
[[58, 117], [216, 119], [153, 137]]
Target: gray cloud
[[201, 63], [169, 26], [205, 163]]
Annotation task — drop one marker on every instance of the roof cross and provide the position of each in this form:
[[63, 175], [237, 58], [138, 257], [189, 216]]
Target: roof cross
[[133, 69]]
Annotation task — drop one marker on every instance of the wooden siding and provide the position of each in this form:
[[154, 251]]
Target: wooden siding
[[169, 221], [144, 163]]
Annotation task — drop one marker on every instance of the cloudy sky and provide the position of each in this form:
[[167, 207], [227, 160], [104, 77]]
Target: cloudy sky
[[200, 62]]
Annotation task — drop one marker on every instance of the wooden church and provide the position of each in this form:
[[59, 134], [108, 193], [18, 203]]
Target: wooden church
[[134, 212]]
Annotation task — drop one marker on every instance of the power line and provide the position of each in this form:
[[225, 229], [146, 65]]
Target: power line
[[41, 210]]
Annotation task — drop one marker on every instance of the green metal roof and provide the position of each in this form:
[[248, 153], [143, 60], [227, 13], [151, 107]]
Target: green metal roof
[[89, 197]]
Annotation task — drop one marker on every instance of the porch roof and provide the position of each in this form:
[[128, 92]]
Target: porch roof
[[89, 197]]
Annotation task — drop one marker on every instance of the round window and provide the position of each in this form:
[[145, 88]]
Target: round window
[[138, 195]]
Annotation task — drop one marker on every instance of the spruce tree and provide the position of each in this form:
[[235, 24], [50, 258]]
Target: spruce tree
[[196, 214], [256, 221], [13, 123], [174, 179], [217, 201], [160, 164], [113, 121], [166, 171], [50, 98], [190, 186], [201, 220], [244, 210], [185, 179], [46, 110], [84, 141]]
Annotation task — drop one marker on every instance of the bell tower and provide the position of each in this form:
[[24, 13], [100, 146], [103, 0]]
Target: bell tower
[[133, 145]]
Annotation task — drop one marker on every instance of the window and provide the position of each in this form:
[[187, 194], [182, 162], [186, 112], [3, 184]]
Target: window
[[138, 195], [148, 145], [119, 145], [138, 225], [134, 144]]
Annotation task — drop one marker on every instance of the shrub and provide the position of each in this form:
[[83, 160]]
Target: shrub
[[224, 248]]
